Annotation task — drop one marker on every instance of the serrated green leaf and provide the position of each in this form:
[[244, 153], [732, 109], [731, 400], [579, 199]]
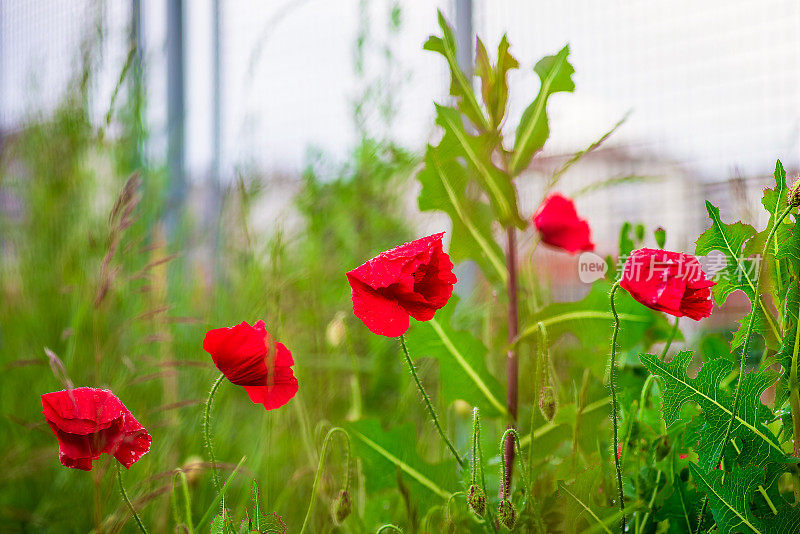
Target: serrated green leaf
[[730, 495], [462, 361], [476, 151], [444, 183], [555, 73], [385, 452], [729, 501], [460, 85], [739, 272], [791, 341], [759, 444]]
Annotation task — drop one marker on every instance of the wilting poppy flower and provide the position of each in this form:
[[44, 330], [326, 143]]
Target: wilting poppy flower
[[250, 358], [89, 422], [559, 225], [668, 281], [414, 279]]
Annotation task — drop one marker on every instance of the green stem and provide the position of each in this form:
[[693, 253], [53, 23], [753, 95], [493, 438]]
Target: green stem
[[318, 475], [650, 504], [794, 394], [128, 501], [428, 404], [615, 405], [388, 527], [748, 333], [207, 431], [649, 380]]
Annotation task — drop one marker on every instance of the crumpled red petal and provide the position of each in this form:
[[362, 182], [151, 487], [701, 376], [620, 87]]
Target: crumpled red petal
[[89, 422]]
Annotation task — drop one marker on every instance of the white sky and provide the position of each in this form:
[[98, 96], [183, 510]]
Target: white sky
[[713, 84]]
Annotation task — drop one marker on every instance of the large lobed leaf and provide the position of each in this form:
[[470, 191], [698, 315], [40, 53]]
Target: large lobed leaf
[[462, 361], [729, 496], [739, 273], [555, 73], [759, 445]]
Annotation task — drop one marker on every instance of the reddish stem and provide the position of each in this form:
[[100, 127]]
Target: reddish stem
[[513, 363]]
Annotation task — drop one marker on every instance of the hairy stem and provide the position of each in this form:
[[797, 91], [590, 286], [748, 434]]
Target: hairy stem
[[615, 405], [207, 431], [748, 333], [318, 475], [794, 394], [512, 374], [128, 501], [428, 404]]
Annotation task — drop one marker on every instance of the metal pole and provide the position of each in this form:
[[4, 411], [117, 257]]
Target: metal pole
[[175, 112], [464, 36], [137, 80]]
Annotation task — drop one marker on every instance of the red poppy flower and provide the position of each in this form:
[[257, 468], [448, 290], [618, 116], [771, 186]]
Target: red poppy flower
[[89, 422], [414, 279], [250, 358], [559, 225], [668, 281]]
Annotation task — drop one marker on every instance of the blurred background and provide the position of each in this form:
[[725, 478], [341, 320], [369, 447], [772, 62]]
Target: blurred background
[[270, 147]]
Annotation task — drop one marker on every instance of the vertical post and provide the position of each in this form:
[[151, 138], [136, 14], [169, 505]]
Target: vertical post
[[214, 189], [137, 79], [175, 112], [464, 36], [467, 272], [216, 94]]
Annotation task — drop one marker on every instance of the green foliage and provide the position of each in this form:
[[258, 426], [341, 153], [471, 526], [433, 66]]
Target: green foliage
[[555, 73], [462, 360], [759, 446], [730, 495]]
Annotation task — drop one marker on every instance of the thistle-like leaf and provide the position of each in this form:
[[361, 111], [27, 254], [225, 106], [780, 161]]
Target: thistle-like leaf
[[740, 272], [555, 73], [729, 497], [462, 360], [759, 445]]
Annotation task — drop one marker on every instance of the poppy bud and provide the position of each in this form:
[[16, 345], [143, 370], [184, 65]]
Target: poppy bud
[[794, 194], [476, 498], [341, 507], [507, 514], [548, 403]]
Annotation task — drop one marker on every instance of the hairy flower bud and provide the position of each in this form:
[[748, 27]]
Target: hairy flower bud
[[476, 498], [507, 514], [794, 194], [341, 507], [548, 403]]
